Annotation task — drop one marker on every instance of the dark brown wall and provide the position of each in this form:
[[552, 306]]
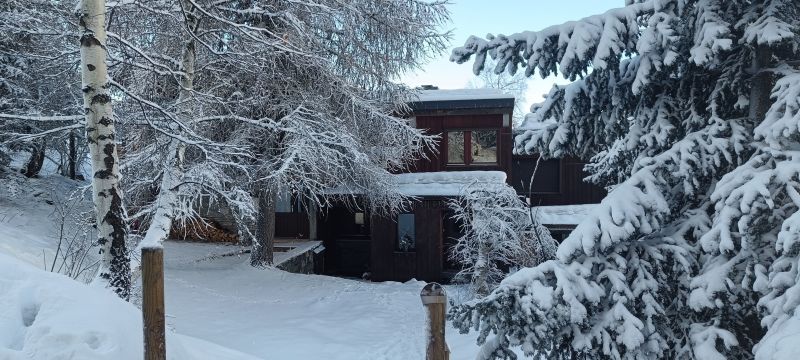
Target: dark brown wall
[[571, 188], [425, 263], [347, 244], [291, 225], [439, 124]]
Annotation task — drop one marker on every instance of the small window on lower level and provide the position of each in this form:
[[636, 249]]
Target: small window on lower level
[[406, 234]]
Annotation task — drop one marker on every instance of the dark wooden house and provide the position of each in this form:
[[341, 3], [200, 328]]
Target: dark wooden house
[[475, 130]]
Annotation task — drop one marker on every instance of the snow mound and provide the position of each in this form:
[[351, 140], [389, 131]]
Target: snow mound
[[49, 316], [28, 217], [445, 183]]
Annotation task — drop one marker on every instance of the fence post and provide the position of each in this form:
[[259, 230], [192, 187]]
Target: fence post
[[434, 299], [153, 303]]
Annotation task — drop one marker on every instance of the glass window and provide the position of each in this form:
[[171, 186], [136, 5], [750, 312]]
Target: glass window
[[359, 218], [406, 234], [455, 147], [484, 146], [283, 203], [283, 200]]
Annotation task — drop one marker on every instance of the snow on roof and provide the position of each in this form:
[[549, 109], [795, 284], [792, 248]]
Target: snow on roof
[[442, 183], [445, 183], [563, 214], [533, 124], [462, 94]]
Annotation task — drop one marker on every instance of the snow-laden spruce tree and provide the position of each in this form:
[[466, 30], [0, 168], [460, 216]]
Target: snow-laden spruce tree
[[499, 233], [689, 111]]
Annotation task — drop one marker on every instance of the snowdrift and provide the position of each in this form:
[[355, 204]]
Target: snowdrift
[[49, 316]]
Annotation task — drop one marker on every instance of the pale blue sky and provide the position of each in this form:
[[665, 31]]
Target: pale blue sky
[[480, 17]]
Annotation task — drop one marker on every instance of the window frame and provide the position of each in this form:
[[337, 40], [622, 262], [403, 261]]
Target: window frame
[[468, 160], [397, 247]]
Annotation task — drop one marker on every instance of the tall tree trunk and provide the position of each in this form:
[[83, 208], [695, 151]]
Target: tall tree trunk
[[36, 161], [261, 253], [761, 84], [481, 276], [100, 135], [312, 220], [73, 156], [167, 197], [172, 176]]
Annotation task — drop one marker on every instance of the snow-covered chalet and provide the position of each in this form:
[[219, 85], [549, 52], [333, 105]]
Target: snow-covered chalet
[[476, 143]]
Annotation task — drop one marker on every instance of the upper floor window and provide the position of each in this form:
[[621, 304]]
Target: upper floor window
[[468, 147]]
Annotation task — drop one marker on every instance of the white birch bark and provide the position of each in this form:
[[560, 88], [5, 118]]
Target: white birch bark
[[161, 223], [110, 216], [160, 226]]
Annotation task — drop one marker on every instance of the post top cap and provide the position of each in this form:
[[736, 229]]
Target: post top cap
[[432, 289]]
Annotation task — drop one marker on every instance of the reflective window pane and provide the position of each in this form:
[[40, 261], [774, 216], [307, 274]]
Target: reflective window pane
[[455, 147], [484, 146], [283, 201], [406, 234]]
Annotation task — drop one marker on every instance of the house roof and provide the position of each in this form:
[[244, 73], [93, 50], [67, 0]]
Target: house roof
[[445, 183], [462, 99], [435, 184], [563, 214]]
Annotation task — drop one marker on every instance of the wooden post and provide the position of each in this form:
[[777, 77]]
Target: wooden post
[[153, 303], [434, 299]]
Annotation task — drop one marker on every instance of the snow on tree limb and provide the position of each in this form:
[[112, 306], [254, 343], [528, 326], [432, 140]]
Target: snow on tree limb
[[696, 231]]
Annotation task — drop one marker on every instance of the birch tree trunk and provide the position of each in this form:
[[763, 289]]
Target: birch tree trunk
[[110, 216], [262, 252]]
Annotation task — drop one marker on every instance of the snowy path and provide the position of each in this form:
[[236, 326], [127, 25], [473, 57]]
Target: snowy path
[[277, 315]]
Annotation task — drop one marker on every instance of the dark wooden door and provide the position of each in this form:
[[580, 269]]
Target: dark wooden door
[[429, 241], [292, 225]]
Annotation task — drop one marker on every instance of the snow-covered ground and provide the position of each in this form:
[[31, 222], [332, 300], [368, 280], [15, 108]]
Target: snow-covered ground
[[218, 307], [278, 315], [48, 316], [28, 218]]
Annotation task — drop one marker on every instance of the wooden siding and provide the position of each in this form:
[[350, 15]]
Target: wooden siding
[[292, 225], [440, 124], [425, 262], [347, 244], [571, 187]]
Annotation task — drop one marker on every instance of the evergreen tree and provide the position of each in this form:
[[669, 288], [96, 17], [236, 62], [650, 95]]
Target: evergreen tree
[[689, 112]]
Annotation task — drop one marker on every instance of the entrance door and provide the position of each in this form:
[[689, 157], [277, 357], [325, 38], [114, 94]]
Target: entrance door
[[291, 220]]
